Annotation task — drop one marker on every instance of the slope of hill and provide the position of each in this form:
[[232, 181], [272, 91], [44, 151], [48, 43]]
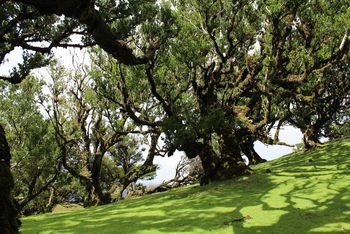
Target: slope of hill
[[298, 193]]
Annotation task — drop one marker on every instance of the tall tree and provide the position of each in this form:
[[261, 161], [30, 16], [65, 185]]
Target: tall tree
[[90, 130], [222, 81], [107, 23], [8, 215], [311, 46], [35, 162]]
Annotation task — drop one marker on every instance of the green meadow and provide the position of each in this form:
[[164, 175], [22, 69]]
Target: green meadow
[[305, 192]]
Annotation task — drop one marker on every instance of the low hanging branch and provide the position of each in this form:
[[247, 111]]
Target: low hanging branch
[[86, 13]]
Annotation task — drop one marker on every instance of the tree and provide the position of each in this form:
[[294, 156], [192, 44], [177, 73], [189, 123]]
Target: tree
[[230, 67], [321, 104], [319, 59], [8, 216], [35, 159], [92, 133], [246, 58], [109, 24], [127, 167], [340, 127]]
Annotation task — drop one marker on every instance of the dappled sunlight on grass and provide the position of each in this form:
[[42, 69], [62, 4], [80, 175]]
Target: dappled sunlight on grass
[[304, 193], [332, 228]]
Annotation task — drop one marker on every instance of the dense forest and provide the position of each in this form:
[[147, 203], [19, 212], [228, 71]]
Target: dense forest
[[208, 78]]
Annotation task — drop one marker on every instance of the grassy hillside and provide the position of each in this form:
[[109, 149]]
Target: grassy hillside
[[299, 193]]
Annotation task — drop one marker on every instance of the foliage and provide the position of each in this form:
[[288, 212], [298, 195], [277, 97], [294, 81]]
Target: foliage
[[340, 127], [318, 107], [113, 25], [35, 156], [213, 76], [94, 135], [229, 72]]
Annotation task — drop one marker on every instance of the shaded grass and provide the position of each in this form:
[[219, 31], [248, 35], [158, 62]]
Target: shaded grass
[[304, 193]]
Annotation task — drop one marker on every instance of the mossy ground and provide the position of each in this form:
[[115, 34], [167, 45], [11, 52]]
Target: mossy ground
[[300, 193]]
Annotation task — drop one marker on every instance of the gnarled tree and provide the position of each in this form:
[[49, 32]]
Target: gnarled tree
[[90, 130]]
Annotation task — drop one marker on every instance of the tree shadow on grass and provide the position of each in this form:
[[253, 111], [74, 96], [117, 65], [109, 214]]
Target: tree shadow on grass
[[190, 210], [306, 208], [294, 199], [309, 196]]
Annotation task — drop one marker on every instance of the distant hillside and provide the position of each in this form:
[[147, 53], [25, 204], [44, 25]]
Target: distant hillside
[[298, 193]]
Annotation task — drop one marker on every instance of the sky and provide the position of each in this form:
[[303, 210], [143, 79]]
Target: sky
[[167, 165], [288, 134]]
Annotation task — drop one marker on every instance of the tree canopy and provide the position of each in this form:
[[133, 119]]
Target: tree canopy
[[206, 77]]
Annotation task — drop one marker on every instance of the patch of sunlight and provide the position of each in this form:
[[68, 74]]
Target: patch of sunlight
[[286, 181], [155, 213], [322, 208], [341, 183], [55, 232], [94, 225], [185, 229], [70, 223], [303, 203], [260, 216], [276, 198], [333, 228], [318, 193], [220, 209]]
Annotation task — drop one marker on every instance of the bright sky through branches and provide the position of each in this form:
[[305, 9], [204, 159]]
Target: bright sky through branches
[[288, 134]]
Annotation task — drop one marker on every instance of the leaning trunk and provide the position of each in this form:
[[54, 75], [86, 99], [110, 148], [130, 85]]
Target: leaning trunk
[[310, 138], [256, 157], [9, 223], [247, 148]]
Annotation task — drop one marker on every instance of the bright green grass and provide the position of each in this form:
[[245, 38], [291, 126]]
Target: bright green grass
[[299, 196]]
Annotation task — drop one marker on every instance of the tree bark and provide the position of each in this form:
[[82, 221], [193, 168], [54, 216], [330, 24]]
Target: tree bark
[[102, 198], [227, 165], [310, 137], [231, 161], [209, 164], [9, 222], [249, 151]]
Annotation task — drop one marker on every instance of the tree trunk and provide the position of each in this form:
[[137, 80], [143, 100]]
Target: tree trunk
[[310, 138], [256, 157], [50, 202], [90, 199], [209, 164], [9, 223], [102, 198], [227, 165], [231, 162], [247, 148], [246, 143]]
